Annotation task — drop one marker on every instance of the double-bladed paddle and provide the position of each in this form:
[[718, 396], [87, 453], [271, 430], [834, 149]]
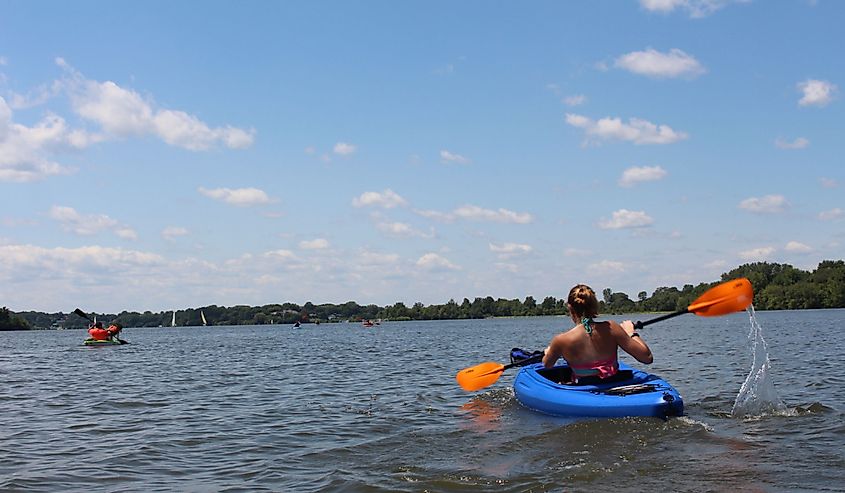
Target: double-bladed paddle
[[728, 297], [83, 315]]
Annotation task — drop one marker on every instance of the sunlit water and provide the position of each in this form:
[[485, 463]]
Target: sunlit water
[[345, 408]]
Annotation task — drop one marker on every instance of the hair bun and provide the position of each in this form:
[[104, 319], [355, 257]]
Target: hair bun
[[583, 301]]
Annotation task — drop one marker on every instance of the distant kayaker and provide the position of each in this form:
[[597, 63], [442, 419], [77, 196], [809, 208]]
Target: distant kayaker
[[590, 348], [97, 331]]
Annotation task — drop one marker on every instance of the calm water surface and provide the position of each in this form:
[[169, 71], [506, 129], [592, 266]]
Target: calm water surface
[[345, 408]]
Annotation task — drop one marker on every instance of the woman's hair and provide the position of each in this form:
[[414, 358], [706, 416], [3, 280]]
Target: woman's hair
[[583, 302]]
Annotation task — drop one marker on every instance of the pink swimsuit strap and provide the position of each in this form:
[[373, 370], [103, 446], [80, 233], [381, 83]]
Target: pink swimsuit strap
[[601, 368]]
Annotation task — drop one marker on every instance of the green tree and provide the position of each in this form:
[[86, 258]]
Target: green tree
[[10, 321], [548, 305], [530, 305]]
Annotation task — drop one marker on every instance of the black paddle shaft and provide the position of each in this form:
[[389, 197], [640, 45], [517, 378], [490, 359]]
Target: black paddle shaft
[[534, 359], [640, 325]]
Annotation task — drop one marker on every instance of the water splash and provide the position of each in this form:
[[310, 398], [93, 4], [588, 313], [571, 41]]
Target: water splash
[[757, 396]]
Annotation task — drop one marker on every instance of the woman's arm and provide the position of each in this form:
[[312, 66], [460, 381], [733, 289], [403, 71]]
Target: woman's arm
[[554, 351], [631, 342]]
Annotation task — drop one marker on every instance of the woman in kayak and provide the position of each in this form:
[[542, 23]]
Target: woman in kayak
[[590, 347]]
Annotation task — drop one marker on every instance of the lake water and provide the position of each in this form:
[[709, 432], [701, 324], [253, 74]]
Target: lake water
[[345, 408]]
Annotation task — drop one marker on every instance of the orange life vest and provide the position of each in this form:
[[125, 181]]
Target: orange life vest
[[99, 334]]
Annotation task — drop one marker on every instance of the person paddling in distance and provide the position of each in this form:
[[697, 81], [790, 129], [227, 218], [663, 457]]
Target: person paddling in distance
[[97, 332], [590, 348]]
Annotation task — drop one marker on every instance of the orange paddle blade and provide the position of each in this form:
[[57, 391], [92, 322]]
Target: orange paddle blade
[[728, 297], [479, 376]]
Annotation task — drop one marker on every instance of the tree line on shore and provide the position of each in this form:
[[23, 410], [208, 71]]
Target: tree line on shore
[[776, 287]]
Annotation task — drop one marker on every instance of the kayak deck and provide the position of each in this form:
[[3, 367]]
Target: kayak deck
[[631, 392]]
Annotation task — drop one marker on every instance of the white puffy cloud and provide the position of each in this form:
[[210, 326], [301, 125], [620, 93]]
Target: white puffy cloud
[[124, 112], [89, 224], [126, 233], [652, 63], [35, 97], [816, 92], [315, 244], [831, 214], [762, 253], [281, 254], [510, 248], [61, 261], [636, 130], [475, 213], [799, 143], [433, 261], [387, 199], [661, 5], [180, 129], [769, 204], [344, 149], [625, 219], [402, 230], [172, 232], [693, 8], [25, 151], [241, 197], [798, 247], [450, 157], [639, 174]]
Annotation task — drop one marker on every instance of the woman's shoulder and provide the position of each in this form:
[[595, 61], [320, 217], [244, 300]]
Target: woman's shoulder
[[568, 333], [610, 323]]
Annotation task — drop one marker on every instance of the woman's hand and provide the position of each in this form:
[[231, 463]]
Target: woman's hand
[[628, 327]]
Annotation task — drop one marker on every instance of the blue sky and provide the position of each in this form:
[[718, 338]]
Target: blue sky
[[160, 155]]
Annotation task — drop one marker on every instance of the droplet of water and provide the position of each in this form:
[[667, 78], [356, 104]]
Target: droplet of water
[[757, 396]]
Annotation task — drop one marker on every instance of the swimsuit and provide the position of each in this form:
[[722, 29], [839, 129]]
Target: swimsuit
[[604, 368]]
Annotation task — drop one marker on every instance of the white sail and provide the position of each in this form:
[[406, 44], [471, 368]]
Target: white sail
[[204, 321], [173, 320]]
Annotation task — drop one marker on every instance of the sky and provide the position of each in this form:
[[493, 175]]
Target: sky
[[165, 155]]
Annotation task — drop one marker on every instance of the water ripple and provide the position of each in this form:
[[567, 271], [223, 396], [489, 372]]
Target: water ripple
[[340, 408]]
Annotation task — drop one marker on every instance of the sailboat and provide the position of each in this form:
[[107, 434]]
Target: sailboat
[[202, 315], [173, 320]]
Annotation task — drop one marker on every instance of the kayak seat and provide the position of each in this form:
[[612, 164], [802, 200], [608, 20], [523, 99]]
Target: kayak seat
[[563, 375]]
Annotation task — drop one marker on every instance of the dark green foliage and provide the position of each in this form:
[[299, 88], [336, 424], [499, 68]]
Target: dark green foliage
[[9, 321], [783, 287], [776, 287]]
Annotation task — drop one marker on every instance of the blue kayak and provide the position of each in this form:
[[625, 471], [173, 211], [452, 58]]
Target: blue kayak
[[630, 392]]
